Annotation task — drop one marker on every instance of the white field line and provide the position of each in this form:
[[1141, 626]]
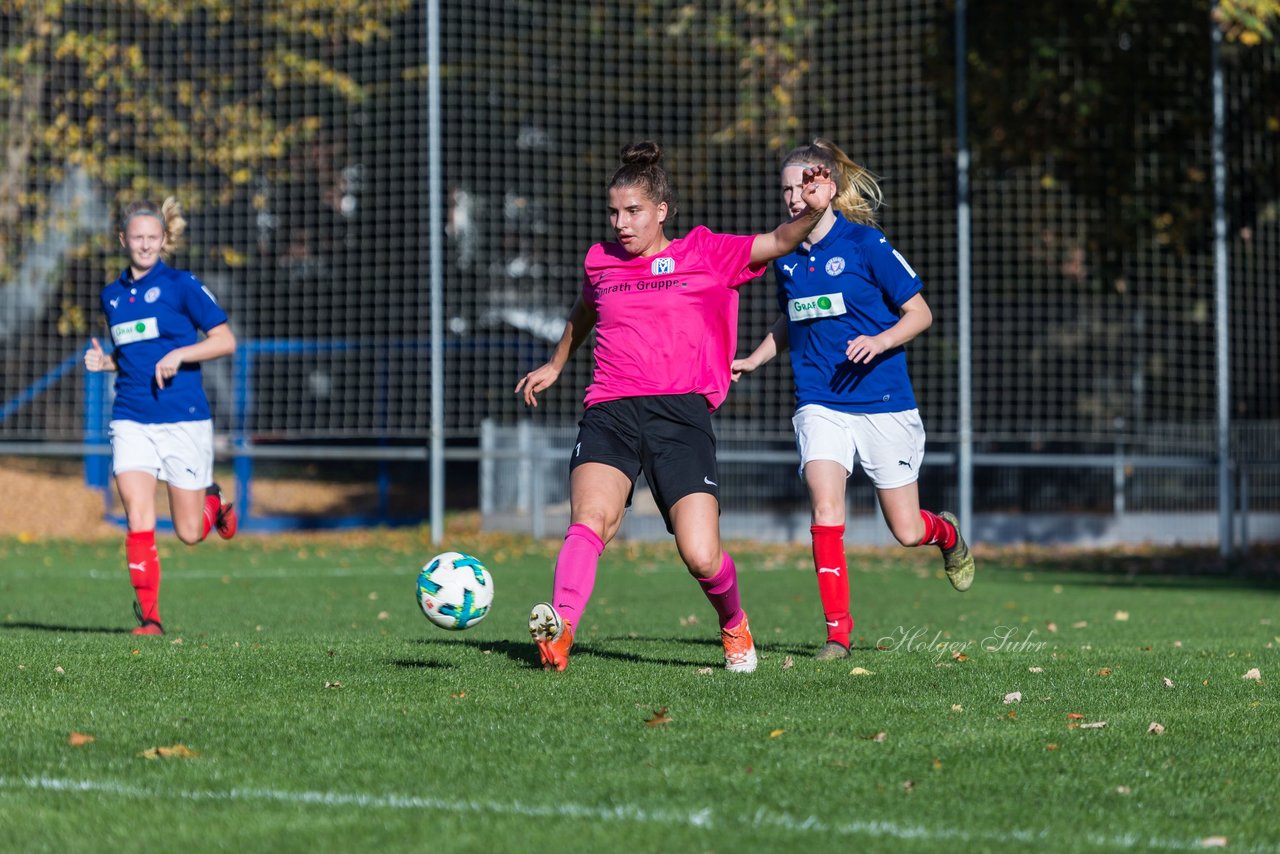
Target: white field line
[[235, 573], [704, 819]]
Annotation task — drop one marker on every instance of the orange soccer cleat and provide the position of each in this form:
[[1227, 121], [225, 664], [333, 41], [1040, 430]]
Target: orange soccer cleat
[[739, 648], [553, 636]]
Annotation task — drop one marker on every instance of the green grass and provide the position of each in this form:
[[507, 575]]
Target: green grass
[[458, 741]]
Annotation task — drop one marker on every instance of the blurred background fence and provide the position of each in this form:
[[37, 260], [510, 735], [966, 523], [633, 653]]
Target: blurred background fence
[[1103, 363]]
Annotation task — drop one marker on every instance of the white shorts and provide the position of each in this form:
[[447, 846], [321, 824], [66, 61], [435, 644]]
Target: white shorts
[[180, 453], [890, 445]]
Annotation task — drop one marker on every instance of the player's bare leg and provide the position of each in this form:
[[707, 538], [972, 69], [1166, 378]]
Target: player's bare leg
[[913, 526], [696, 522]]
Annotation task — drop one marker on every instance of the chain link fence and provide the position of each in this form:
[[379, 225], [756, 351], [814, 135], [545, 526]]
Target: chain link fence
[[297, 137]]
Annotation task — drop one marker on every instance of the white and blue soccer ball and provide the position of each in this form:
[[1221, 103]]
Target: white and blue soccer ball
[[455, 591]]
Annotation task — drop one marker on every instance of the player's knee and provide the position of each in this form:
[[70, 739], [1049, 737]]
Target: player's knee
[[189, 536], [907, 534], [603, 523], [828, 513], [703, 562]]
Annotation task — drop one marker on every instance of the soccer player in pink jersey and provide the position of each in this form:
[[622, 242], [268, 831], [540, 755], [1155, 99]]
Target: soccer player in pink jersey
[[665, 314]]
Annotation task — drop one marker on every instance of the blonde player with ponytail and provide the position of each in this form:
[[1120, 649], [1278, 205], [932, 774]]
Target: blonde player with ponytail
[[850, 303], [161, 426]]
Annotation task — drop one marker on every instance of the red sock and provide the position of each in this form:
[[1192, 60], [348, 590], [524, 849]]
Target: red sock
[[833, 580], [721, 591], [212, 504], [937, 531], [144, 571]]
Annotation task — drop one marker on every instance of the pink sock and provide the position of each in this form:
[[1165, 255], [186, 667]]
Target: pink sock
[[722, 592], [575, 572]]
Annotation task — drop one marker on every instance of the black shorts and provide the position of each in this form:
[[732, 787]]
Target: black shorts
[[668, 437]]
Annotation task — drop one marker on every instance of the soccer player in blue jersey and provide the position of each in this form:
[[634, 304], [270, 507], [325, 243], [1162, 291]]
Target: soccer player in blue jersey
[[161, 427], [850, 302]]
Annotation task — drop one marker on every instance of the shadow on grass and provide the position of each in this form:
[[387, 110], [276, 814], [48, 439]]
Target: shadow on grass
[[420, 664], [1193, 568], [53, 627], [527, 653]]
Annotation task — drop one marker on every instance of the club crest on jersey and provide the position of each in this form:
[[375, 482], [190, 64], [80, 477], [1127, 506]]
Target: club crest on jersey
[[835, 266], [663, 266], [151, 295]]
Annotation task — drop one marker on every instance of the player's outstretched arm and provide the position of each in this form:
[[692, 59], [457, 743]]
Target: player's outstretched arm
[[775, 341], [96, 360], [582, 319], [817, 191]]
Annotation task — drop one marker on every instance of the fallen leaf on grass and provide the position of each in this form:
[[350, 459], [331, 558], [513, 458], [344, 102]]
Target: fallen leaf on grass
[[459, 695], [1094, 725], [1122, 616], [1051, 747], [659, 718], [1166, 681], [878, 737], [908, 785], [861, 671], [1254, 674], [1052, 627], [788, 663], [937, 764], [703, 671], [775, 733], [1074, 716], [1123, 790], [384, 615], [176, 642], [59, 669], [956, 707], [1080, 624], [1013, 714], [1035, 670], [177, 751], [1013, 697], [1106, 671], [79, 739], [1213, 842], [691, 620], [959, 656], [333, 684], [1156, 728]]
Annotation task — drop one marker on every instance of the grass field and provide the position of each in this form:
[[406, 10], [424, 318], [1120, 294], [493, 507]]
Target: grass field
[[326, 714]]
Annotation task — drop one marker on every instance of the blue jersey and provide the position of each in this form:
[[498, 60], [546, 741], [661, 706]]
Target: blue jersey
[[148, 318], [850, 283]]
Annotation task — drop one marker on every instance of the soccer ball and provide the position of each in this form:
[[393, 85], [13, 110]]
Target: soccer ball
[[455, 591]]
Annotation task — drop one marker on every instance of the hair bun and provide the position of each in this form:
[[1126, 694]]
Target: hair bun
[[643, 153]]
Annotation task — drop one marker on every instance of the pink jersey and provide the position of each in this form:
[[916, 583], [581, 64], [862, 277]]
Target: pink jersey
[[668, 323]]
